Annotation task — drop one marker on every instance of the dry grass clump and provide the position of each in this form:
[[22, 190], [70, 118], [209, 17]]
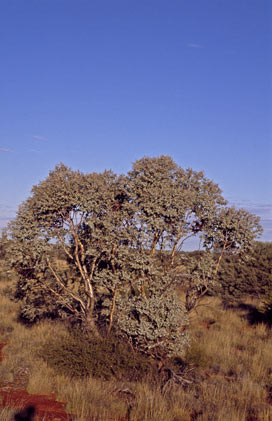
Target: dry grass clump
[[8, 315], [238, 363], [7, 414], [230, 362]]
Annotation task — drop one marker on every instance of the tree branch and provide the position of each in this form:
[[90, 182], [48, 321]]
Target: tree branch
[[59, 295], [64, 247], [74, 296]]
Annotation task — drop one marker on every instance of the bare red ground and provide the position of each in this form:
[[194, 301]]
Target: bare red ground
[[46, 406]]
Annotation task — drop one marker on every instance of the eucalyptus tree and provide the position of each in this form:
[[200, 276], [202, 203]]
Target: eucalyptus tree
[[120, 236]]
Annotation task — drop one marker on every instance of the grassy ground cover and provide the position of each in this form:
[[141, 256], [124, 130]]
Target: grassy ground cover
[[228, 368]]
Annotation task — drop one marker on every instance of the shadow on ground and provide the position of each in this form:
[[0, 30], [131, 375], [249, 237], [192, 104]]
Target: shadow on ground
[[26, 414], [250, 312], [254, 316]]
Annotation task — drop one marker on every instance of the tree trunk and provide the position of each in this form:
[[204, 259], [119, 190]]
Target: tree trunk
[[89, 325], [112, 310]]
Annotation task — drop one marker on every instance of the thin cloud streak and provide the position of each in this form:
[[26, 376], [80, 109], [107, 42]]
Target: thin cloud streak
[[261, 209], [36, 137], [193, 45], [6, 150], [34, 150]]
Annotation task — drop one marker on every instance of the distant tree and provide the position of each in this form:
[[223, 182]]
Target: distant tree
[[120, 236], [252, 275]]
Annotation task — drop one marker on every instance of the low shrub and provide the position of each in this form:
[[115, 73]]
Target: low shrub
[[78, 355]]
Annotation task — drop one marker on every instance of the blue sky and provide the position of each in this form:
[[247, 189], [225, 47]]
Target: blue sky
[[100, 83]]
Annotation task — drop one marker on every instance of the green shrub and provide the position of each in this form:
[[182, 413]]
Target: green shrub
[[78, 355]]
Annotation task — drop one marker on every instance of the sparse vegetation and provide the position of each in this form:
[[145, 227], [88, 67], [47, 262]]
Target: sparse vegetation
[[228, 370]]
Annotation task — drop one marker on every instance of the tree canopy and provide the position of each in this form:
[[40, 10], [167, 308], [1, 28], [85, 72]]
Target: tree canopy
[[120, 236]]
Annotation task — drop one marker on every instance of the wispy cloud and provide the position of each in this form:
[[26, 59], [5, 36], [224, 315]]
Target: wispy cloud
[[36, 137], [6, 150], [34, 150], [193, 45]]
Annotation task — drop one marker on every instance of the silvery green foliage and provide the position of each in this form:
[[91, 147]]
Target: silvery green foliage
[[155, 324], [171, 203], [55, 214], [232, 230], [120, 236]]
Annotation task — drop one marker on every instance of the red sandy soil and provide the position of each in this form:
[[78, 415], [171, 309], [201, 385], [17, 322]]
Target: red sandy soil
[[46, 406]]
